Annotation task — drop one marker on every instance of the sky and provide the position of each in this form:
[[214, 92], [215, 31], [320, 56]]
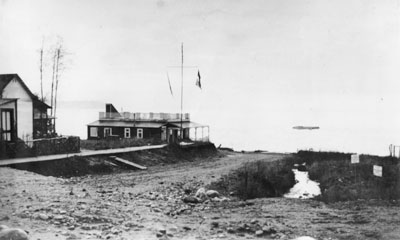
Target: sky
[[307, 62]]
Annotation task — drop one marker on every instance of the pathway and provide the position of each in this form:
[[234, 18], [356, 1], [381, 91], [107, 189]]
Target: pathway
[[80, 154]]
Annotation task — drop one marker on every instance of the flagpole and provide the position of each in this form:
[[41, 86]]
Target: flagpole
[[182, 93]]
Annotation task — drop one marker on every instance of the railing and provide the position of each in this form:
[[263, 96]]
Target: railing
[[39, 147], [144, 116]]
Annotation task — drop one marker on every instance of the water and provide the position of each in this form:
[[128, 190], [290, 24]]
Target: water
[[272, 131], [304, 187]]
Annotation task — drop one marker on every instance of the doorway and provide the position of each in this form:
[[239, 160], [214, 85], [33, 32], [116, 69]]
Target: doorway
[[7, 125]]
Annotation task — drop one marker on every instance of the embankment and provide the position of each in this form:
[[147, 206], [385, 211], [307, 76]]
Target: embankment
[[340, 180], [258, 179], [80, 166]]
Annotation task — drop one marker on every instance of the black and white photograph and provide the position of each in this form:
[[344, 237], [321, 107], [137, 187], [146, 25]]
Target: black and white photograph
[[199, 119]]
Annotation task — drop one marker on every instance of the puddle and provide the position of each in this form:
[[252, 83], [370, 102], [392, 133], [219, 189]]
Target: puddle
[[304, 187]]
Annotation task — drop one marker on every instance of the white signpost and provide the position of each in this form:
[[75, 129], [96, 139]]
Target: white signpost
[[377, 171], [355, 158]]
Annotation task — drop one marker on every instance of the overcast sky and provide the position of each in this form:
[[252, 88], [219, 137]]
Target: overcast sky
[[315, 56]]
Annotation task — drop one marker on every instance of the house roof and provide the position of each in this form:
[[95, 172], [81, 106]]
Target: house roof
[[186, 124], [6, 100], [145, 124], [5, 79]]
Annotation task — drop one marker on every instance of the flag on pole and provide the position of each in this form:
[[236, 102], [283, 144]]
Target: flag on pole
[[169, 83], [198, 83]]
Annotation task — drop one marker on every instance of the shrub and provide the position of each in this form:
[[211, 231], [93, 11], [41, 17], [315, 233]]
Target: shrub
[[341, 181], [259, 179], [116, 143]]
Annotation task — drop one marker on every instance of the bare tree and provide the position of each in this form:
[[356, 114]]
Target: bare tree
[[58, 67], [54, 57], [41, 70]]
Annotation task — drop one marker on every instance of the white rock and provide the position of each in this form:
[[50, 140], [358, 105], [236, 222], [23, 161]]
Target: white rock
[[201, 193], [12, 233], [304, 238], [212, 193], [43, 216]]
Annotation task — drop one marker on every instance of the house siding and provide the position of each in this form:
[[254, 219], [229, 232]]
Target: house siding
[[120, 131], [24, 109]]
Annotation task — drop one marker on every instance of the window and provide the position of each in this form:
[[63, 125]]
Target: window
[[93, 132], [107, 132], [140, 133], [127, 133]]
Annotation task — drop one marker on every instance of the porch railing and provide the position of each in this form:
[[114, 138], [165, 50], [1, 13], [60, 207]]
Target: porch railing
[[144, 116]]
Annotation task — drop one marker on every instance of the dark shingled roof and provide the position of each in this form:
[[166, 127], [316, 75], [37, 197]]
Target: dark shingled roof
[[5, 79]]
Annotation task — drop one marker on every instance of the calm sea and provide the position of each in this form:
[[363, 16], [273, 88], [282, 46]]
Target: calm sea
[[269, 132]]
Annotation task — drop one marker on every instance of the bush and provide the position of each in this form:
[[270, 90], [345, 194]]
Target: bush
[[112, 143], [341, 181], [259, 179]]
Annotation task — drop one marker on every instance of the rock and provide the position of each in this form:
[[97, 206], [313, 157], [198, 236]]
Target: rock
[[23, 215], [190, 199], [201, 193], [7, 233], [63, 212], [43, 216], [221, 235], [212, 193], [230, 230], [268, 230], [259, 233], [214, 224], [304, 238], [86, 227], [253, 221], [186, 228], [58, 217], [157, 210]]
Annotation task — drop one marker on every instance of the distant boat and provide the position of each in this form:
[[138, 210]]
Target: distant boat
[[306, 127]]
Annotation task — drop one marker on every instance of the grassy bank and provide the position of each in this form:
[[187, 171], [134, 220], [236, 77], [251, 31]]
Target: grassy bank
[[117, 143], [80, 166], [258, 179], [341, 181]]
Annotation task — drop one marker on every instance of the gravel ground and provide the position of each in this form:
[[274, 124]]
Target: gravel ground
[[148, 205]]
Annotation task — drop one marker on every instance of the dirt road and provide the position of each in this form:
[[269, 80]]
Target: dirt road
[[148, 205]]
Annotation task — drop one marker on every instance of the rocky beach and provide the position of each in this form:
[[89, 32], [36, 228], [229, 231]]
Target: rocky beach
[[174, 201]]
